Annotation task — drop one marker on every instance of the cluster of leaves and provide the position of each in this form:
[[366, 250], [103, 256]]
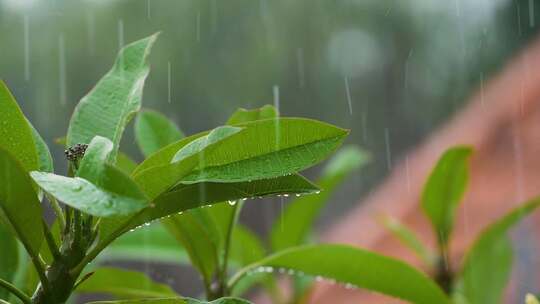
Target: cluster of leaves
[[190, 191]]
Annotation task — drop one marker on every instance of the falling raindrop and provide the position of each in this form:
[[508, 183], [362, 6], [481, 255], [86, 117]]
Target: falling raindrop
[[348, 91], [148, 9], [301, 70], [199, 26], [91, 32], [388, 151], [531, 13], [62, 69], [169, 81], [120, 34], [26, 48]]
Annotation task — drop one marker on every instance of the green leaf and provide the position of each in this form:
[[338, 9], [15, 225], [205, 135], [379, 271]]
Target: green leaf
[[93, 164], [242, 115], [246, 247], [266, 149], [15, 134], [111, 104], [124, 284], [199, 144], [157, 180], [196, 241], [118, 196], [227, 300], [125, 163], [144, 301], [9, 259], [298, 218], [159, 246], [409, 239], [186, 197], [45, 159], [356, 267], [488, 263], [445, 188], [154, 131], [19, 205]]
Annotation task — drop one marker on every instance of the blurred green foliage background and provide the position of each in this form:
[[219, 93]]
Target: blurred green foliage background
[[404, 66]]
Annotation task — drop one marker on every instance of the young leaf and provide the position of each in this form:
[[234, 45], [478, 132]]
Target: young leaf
[[356, 267], [243, 115], [186, 197], [124, 284], [19, 205], [15, 134], [154, 131], [246, 247], [199, 144], [45, 159], [111, 104], [409, 239], [266, 149], [488, 263], [9, 259], [157, 180], [197, 242], [227, 300], [93, 165], [531, 299], [299, 216], [118, 196], [159, 246], [444, 190]]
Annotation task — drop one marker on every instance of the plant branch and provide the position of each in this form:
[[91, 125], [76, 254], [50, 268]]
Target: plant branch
[[228, 238], [15, 291], [58, 211], [50, 241], [40, 269]]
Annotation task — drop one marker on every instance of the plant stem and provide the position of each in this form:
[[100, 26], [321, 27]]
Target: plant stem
[[15, 291], [50, 240], [58, 211], [444, 276], [40, 269], [228, 238]]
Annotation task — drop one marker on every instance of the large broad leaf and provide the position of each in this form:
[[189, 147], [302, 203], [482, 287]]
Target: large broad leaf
[[445, 188], [9, 259], [244, 115], [159, 246], [297, 220], [408, 238], [154, 131], [45, 158], [107, 109], [267, 148], [124, 284], [19, 205], [355, 267], [186, 197], [488, 263], [227, 300], [194, 237], [15, 133], [157, 180], [125, 163], [117, 196], [246, 247], [93, 165]]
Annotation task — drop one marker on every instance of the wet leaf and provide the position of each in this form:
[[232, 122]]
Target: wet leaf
[[186, 197], [243, 115], [118, 195], [298, 218], [9, 258], [266, 149], [124, 284], [445, 188], [111, 104], [93, 165], [356, 267], [19, 205], [44, 155], [15, 133], [154, 131], [488, 263]]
